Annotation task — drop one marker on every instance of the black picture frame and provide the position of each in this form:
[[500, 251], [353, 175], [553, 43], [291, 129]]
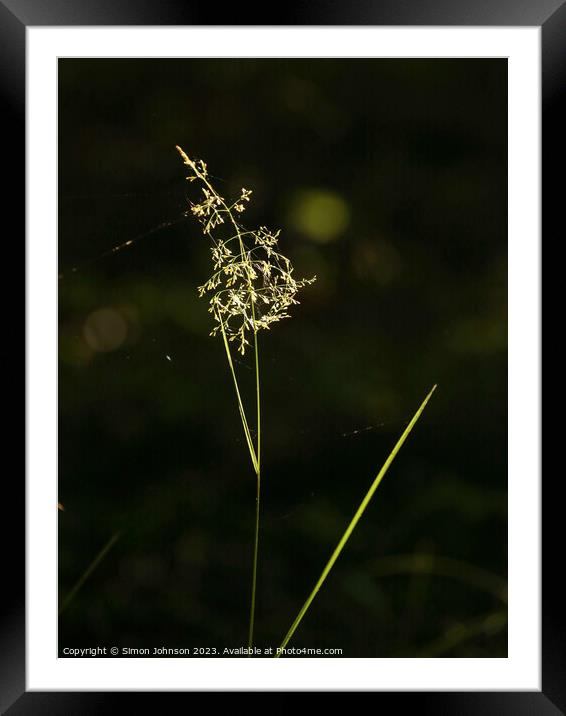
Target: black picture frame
[[15, 16]]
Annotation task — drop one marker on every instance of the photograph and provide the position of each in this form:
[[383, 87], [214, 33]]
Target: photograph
[[282, 357]]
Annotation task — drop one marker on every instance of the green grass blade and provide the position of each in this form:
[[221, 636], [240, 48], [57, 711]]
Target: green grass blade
[[356, 518], [433, 565], [88, 571], [489, 625]]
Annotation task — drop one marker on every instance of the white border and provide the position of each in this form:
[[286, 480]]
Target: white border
[[521, 670]]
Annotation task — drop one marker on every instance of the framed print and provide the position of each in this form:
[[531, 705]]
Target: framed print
[[283, 354]]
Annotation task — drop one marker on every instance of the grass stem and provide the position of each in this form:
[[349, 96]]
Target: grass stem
[[240, 404], [88, 571], [254, 569], [258, 486]]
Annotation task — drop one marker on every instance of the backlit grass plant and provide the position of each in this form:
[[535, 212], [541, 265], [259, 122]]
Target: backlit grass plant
[[252, 287]]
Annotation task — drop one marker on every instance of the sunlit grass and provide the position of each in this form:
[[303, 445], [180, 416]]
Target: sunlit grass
[[251, 288], [352, 525]]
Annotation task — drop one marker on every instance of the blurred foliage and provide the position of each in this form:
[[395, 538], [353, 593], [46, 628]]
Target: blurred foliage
[[388, 178]]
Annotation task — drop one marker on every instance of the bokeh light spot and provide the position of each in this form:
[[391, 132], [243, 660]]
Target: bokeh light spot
[[105, 330], [320, 215]]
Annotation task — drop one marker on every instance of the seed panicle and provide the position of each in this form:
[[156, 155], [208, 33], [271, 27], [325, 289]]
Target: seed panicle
[[252, 285]]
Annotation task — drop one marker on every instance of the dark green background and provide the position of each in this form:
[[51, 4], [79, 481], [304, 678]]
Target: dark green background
[[403, 163]]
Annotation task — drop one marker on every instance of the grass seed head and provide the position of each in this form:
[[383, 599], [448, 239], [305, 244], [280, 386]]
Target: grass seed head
[[252, 284]]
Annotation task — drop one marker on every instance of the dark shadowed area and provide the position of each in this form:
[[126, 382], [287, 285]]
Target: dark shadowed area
[[388, 179]]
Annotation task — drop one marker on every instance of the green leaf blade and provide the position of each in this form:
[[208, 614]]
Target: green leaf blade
[[353, 522]]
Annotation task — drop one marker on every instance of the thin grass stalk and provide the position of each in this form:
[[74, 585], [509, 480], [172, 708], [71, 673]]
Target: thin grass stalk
[[258, 490], [254, 568], [88, 571], [240, 404], [255, 454]]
